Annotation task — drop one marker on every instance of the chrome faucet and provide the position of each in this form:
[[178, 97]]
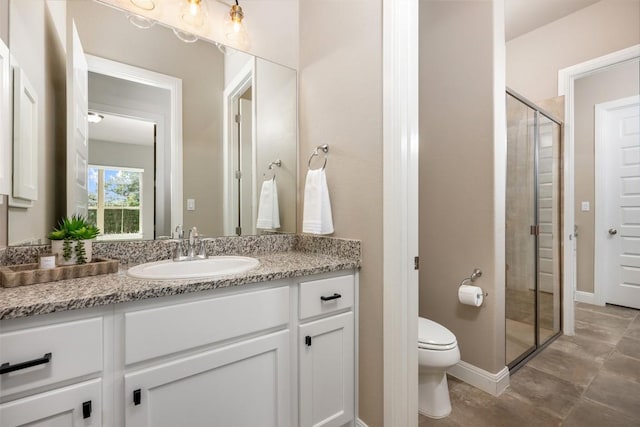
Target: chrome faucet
[[193, 243], [179, 232]]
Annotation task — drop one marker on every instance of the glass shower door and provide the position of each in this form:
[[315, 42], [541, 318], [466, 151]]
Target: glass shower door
[[533, 264], [520, 242]]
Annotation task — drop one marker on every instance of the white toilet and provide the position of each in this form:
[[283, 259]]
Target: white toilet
[[437, 351]]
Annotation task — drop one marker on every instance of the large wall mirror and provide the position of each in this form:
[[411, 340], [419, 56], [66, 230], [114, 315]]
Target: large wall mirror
[[141, 131]]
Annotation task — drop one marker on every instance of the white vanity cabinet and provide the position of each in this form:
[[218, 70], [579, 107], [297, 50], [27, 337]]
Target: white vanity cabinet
[[51, 372], [327, 352], [240, 377], [236, 356]]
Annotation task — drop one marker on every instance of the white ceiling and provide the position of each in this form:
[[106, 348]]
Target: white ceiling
[[123, 130], [522, 16]]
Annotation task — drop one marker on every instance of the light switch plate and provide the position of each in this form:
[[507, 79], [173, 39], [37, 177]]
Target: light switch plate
[[191, 204], [586, 207]]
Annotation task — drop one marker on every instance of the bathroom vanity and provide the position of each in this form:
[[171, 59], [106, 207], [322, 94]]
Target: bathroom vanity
[[273, 347]]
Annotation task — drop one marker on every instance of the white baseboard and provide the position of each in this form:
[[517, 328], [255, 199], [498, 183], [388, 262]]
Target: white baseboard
[[360, 423], [493, 384], [586, 297]]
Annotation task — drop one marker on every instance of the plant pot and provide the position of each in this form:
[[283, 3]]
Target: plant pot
[[57, 247]]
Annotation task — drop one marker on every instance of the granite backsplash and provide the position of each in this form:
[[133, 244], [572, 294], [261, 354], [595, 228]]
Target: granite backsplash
[[137, 252]]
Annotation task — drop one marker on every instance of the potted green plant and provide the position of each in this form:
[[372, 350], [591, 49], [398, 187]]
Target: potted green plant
[[72, 240]]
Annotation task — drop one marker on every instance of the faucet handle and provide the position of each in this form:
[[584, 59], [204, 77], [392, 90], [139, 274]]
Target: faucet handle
[[202, 252], [178, 254], [179, 234], [193, 235]]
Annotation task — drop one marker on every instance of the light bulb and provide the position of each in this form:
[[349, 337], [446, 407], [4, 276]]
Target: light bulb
[[234, 28], [194, 8], [193, 13]]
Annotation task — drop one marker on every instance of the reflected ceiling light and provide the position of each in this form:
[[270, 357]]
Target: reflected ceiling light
[[234, 29], [140, 21], [144, 4], [193, 13], [94, 117], [185, 36]]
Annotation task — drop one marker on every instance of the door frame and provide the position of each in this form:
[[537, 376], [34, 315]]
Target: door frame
[[241, 82], [601, 267], [566, 87], [400, 211], [174, 86]]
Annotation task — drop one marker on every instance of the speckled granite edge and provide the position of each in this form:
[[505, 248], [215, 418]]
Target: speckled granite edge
[[3, 256], [117, 288]]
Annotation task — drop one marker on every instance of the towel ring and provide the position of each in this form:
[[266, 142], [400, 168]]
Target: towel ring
[[277, 163], [325, 149]]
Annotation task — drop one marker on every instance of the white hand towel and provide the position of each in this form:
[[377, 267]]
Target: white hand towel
[[268, 210], [316, 218]]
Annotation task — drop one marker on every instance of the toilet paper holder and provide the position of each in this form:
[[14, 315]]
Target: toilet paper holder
[[474, 276]]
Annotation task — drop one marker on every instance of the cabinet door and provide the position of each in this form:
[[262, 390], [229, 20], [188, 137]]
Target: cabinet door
[[244, 384], [76, 405], [327, 371]]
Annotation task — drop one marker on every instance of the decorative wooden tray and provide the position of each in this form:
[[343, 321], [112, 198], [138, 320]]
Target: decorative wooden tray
[[12, 276]]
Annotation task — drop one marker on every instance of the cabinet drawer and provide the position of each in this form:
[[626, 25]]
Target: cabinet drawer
[[75, 348], [325, 296], [165, 330]]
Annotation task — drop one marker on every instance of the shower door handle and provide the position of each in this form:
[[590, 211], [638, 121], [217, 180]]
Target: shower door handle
[[613, 231]]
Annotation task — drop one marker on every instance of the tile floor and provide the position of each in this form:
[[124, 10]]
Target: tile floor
[[590, 379]]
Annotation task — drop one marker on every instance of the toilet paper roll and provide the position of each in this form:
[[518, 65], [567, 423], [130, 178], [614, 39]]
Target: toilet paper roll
[[470, 295]]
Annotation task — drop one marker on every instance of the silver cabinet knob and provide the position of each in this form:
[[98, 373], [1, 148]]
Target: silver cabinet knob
[[613, 231]]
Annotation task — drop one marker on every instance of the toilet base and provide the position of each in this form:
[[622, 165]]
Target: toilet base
[[433, 394]]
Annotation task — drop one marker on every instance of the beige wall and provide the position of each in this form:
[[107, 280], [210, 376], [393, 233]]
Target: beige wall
[[340, 80], [457, 231], [36, 48], [616, 82], [533, 59]]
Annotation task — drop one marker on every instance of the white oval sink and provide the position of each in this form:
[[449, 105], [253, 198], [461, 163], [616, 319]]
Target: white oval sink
[[195, 269]]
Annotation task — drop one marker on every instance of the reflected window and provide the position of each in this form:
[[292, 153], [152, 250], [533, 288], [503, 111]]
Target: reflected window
[[115, 201]]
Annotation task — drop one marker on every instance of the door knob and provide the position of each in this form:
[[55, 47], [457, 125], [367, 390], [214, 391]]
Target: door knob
[[613, 231]]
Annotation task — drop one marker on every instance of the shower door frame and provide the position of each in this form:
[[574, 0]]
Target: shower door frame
[[519, 361]]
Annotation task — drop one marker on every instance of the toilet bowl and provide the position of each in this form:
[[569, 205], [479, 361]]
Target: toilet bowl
[[437, 351]]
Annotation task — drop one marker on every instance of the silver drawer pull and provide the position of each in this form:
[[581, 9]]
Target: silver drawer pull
[[332, 297]]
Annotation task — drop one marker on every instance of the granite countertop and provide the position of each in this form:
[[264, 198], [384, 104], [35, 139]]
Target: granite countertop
[[114, 288]]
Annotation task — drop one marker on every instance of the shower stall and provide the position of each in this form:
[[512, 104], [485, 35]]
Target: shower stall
[[533, 224]]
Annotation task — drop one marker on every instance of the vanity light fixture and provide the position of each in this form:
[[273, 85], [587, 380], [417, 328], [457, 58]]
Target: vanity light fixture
[[193, 13], [144, 4], [94, 117], [234, 29]]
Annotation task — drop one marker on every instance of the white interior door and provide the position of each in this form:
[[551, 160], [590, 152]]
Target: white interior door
[[618, 228], [77, 124]]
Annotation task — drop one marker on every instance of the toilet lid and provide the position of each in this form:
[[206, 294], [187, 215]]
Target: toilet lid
[[432, 334]]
